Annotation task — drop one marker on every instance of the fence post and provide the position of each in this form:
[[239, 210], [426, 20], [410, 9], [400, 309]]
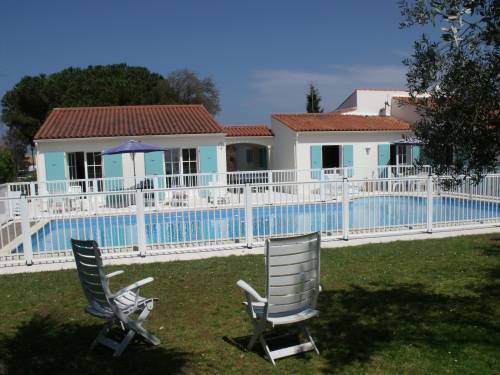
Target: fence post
[[141, 223], [248, 215], [32, 189], [345, 209], [430, 193], [156, 194], [26, 230], [322, 181]]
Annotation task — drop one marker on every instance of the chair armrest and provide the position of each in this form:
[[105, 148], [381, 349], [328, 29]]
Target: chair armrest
[[320, 289], [251, 291], [113, 274], [133, 286]]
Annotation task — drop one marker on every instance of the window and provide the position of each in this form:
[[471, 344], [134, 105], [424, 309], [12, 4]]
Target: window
[[76, 165], [332, 156], [181, 161], [85, 166], [172, 161], [94, 165], [401, 155], [189, 164]]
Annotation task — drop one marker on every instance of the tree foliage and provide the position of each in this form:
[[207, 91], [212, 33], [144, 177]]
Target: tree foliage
[[187, 88], [313, 100], [28, 103], [459, 125], [8, 170]]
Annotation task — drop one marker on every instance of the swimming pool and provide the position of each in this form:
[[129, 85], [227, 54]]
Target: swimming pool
[[211, 226]]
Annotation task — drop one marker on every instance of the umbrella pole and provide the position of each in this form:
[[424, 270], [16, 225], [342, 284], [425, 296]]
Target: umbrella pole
[[133, 162]]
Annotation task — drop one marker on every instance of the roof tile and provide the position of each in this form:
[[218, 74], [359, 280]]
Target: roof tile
[[303, 122], [115, 121], [244, 130]]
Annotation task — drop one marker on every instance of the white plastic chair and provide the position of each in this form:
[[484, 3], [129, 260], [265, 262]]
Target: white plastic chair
[[116, 308], [292, 290]]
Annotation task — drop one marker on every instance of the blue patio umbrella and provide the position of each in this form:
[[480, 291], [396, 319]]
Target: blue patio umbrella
[[132, 147]]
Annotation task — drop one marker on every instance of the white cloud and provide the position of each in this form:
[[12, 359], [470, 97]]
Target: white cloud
[[284, 90]]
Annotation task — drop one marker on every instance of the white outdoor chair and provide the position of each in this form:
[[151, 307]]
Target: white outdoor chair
[[216, 193], [115, 308], [291, 292]]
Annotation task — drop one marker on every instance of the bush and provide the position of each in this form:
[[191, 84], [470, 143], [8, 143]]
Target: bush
[[7, 166]]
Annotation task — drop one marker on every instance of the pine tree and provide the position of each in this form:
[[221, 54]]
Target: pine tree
[[313, 100]]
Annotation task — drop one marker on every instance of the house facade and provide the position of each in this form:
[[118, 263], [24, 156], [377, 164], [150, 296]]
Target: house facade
[[70, 142], [334, 140], [366, 131]]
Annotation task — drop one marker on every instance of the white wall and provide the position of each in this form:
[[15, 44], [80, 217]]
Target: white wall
[[364, 161], [372, 102], [283, 155], [100, 144]]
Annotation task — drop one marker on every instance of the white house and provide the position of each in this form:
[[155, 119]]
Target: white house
[[365, 131], [70, 142], [335, 140]]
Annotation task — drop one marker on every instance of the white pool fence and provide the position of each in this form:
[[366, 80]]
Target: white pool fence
[[37, 229]]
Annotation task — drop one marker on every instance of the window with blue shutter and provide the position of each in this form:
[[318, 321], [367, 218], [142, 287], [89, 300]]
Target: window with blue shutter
[[316, 160], [416, 153], [154, 164], [348, 159], [55, 171], [208, 162], [384, 158], [113, 168]]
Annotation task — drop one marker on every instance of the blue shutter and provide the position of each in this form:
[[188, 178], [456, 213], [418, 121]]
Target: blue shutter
[[384, 158], [208, 162], [348, 159], [113, 167], [55, 171], [154, 163], [316, 160], [416, 153]]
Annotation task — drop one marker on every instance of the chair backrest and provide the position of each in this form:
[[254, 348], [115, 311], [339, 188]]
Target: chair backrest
[[91, 273], [292, 273]]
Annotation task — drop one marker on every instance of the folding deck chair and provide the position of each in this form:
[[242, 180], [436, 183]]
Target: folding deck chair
[[291, 292], [115, 308]]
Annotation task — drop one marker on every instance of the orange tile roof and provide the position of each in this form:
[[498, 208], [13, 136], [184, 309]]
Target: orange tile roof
[[303, 122], [116, 121], [248, 130]]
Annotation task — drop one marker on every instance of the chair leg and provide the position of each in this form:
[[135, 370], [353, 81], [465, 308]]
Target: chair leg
[[102, 334], [311, 340], [263, 343], [124, 343], [258, 328], [140, 320]]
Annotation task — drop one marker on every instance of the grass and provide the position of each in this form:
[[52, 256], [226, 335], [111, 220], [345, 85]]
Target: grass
[[421, 307]]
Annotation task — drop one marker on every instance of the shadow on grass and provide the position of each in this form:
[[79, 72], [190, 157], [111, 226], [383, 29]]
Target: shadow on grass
[[45, 345], [356, 323], [277, 338]]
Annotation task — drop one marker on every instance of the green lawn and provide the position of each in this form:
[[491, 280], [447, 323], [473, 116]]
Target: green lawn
[[422, 307]]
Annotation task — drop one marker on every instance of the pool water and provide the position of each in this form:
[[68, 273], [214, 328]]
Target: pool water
[[222, 224]]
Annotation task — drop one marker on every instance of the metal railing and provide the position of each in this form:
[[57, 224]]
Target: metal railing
[[78, 186], [129, 223]]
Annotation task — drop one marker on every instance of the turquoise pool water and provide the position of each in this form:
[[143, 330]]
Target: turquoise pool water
[[229, 223]]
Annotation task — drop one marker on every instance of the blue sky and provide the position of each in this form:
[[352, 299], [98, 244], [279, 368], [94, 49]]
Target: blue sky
[[261, 54]]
